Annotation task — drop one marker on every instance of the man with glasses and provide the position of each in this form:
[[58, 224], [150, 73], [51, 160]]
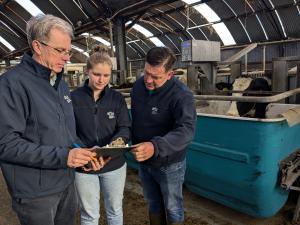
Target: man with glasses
[[37, 128]]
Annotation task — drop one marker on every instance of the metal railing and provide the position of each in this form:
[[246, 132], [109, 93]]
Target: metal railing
[[260, 99], [257, 99]]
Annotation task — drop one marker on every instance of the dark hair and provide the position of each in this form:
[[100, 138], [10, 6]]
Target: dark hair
[[161, 56], [99, 54]]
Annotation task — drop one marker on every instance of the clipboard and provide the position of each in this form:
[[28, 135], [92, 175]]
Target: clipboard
[[111, 151]]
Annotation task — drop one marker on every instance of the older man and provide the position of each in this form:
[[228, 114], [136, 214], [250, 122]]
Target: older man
[[164, 117], [37, 128]]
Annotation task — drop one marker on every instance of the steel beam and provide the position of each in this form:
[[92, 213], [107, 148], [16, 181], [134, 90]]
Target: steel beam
[[120, 43], [238, 55]]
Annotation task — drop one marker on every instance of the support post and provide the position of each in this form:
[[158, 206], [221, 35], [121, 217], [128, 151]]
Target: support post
[[120, 44], [280, 76]]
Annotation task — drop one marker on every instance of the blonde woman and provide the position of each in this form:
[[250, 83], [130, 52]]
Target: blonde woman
[[101, 117]]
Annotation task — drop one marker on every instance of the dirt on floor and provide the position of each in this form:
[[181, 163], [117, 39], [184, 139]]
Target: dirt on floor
[[198, 210]]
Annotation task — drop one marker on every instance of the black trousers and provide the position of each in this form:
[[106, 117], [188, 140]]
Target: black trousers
[[56, 209]]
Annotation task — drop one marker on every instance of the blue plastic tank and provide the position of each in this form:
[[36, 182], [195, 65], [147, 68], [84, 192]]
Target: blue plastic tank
[[235, 161]]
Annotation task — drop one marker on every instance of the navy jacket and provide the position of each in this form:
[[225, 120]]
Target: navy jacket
[[166, 117], [36, 128], [99, 123]]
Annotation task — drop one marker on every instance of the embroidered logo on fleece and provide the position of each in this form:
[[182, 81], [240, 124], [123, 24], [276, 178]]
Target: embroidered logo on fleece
[[154, 110], [67, 98], [111, 115]]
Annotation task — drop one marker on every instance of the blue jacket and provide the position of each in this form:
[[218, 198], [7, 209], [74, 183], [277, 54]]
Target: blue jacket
[[166, 117], [36, 128], [99, 123]]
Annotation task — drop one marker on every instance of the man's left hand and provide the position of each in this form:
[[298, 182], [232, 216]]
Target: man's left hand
[[143, 151]]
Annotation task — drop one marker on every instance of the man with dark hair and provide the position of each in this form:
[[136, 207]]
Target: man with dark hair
[[164, 120], [38, 145]]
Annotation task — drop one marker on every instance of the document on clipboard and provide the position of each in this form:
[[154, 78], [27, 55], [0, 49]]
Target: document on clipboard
[[113, 152]]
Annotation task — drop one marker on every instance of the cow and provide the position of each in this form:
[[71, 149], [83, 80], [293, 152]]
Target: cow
[[247, 109], [256, 110], [222, 86]]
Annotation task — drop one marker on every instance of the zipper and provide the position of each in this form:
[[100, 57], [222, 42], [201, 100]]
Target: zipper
[[96, 121], [40, 178], [63, 121]]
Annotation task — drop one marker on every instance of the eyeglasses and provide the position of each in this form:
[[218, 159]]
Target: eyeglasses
[[61, 52]]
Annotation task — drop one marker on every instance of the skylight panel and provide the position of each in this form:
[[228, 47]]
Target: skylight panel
[[224, 34], [212, 17], [190, 1], [143, 30], [7, 44], [157, 42], [105, 42], [207, 13], [80, 50], [147, 34], [195, 26], [99, 39], [30, 7], [231, 9]]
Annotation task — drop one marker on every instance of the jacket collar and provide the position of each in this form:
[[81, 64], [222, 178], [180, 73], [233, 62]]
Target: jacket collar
[[37, 69], [165, 86], [91, 92]]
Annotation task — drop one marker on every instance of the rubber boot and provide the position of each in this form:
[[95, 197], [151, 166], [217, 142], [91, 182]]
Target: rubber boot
[[157, 219]]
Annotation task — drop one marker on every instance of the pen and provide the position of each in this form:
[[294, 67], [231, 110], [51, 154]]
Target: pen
[[75, 145]]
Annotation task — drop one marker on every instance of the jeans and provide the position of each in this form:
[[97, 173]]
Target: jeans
[[55, 209], [111, 184], [162, 189]]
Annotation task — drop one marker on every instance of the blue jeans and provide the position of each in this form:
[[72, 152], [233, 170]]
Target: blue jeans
[[162, 189], [111, 184]]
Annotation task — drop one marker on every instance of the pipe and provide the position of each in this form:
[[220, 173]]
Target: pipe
[[262, 43], [268, 99], [256, 99], [264, 58], [111, 38], [130, 70], [246, 63]]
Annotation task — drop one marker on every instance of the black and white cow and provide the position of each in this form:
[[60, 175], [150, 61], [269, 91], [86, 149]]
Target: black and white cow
[[257, 110], [247, 109]]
